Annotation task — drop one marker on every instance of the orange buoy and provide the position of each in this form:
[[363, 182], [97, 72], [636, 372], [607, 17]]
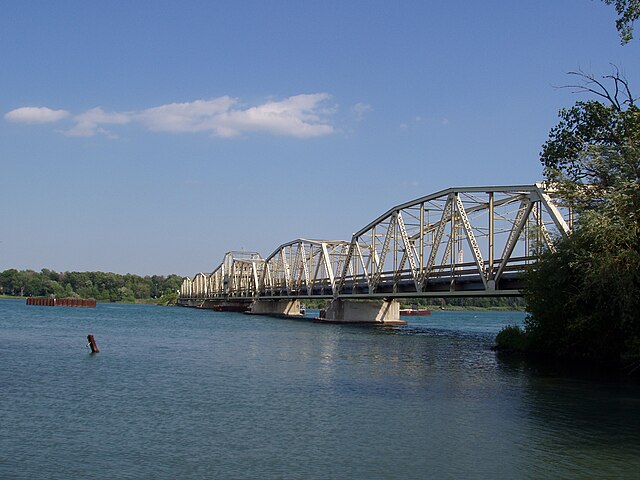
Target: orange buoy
[[92, 344]]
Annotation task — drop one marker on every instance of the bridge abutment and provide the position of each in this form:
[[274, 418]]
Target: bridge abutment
[[280, 308], [370, 311]]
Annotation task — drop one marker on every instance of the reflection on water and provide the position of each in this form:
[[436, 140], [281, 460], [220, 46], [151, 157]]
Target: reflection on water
[[585, 423], [181, 393]]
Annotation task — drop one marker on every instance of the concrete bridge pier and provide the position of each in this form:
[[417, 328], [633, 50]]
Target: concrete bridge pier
[[278, 308], [383, 312]]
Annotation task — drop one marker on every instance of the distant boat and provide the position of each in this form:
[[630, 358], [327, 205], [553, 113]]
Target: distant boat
[[414, 312]]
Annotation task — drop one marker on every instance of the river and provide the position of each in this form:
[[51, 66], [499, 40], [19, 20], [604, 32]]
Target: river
[[189, 394]]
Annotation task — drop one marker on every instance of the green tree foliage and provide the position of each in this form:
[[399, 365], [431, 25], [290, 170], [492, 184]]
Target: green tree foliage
[[628, 12], [170, 298], [496, 303], [104, 287], [584, 298], [592, 155]]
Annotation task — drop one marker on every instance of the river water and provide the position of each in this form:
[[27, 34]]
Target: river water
[[185, 393]]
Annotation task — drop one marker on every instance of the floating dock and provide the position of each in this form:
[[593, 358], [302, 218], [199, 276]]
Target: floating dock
[[61, 302]]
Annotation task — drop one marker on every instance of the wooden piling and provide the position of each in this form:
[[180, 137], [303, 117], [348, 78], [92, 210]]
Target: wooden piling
[[92, 344]]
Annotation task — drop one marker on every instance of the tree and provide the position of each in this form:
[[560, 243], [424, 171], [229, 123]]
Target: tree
[[628, 11], [594, 151], [585, 298]]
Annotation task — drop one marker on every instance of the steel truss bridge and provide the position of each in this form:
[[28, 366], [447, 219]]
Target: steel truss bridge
[[475, 241]]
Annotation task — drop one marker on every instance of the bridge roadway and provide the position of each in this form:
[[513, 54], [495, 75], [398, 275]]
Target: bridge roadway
[[473, 241]]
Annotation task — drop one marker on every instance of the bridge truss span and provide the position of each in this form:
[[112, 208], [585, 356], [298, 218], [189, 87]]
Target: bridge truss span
[[304, 268], [474, 241], [460, 241], [237, 277]]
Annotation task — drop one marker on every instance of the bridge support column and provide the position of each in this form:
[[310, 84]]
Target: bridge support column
[[385, 312], [280, 308]]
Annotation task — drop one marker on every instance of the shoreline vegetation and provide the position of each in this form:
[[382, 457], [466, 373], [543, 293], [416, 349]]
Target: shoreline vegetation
[[165, 300], [583, 293], [510, 304], [104, 287]]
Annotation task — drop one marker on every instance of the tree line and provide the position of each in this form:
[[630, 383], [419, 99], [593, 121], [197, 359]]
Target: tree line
[[435, 303], [102, 286]]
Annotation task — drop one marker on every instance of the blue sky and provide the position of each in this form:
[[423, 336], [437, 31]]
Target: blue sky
[[151, 137]]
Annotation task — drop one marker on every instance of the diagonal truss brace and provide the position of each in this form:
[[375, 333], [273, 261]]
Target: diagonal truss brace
[[327, 265], [286, 270], [437, 239], [383, 254], [409, 251], [555, 214], [473, 244], [526, 205], [305, 265], [546, 236]]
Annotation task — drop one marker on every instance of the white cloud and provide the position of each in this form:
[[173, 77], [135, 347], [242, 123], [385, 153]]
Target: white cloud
[[361, 109], [35, 115], [297, 116], [300, 116], [184, 117], [88, 123]]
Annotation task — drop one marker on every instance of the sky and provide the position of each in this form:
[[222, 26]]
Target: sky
[[151, 137]]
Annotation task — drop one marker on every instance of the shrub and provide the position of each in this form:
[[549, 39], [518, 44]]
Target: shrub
[[512, 339]]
